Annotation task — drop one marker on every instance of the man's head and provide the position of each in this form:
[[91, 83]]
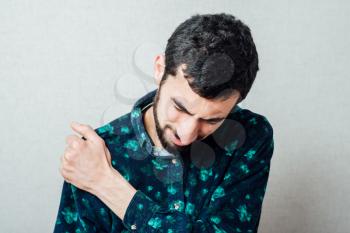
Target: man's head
[[209, 66]]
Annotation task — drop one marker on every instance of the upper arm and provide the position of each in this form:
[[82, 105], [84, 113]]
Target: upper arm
[[236, 204], [70, 216]]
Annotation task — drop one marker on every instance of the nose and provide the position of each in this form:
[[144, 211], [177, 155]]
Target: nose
[[188, 131]]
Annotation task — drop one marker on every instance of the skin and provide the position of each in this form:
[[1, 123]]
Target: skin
[[87, 163], [167, 118]]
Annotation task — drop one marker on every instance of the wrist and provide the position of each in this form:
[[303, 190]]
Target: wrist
[[115, 191], [106, 182]]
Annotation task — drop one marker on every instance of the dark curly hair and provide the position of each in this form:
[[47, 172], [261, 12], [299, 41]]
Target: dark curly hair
[[219, 54]]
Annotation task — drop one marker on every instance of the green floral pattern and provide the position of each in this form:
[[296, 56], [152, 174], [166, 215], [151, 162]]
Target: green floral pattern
[[173, 193]]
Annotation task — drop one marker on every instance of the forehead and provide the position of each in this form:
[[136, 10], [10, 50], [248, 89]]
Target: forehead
[[177, 87]]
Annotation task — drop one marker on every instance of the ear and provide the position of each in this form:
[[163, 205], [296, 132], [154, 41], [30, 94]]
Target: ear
[[159, 67]]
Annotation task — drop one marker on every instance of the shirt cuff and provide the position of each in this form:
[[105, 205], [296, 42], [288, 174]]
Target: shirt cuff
[[140, 209]]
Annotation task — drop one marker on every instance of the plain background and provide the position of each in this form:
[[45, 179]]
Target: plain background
[[73, 60]]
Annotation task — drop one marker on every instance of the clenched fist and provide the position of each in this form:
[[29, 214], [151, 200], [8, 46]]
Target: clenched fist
[[86, 161]]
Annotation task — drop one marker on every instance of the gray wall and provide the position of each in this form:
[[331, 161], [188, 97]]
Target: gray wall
[[71, 60]]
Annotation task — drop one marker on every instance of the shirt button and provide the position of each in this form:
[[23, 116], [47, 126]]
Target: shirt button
[[176, 206], [133, 227], [173, 161]]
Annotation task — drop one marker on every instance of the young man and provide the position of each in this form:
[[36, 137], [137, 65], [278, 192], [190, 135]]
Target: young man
[[186, 158]]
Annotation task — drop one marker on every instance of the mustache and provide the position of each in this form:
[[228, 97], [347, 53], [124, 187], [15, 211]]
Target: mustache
[[199, 138]]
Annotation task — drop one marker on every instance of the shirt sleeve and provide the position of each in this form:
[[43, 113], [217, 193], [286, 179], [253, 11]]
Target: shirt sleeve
[[234, 206], [70, 217]]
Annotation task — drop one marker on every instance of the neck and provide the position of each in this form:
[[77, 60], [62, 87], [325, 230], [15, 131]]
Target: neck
[[150, 126]]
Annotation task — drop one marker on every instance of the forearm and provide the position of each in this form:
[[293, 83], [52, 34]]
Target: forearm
[[115, 192]]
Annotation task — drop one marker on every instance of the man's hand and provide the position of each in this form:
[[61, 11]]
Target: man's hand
[[85, 163]]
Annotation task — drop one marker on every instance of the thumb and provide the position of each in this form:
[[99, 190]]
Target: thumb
[[86, 131]]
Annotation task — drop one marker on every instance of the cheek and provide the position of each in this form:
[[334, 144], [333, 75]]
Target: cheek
[[167, 113], [172, 114], [208, 129]]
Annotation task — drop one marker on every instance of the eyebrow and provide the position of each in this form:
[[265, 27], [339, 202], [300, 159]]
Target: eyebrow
[[183, 108]]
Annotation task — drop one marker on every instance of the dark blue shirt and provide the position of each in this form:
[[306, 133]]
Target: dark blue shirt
[[218, 185]]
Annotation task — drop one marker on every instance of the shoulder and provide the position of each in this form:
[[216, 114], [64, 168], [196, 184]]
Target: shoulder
[[254, 123], [250, 131], [253, 145], [120, 126]]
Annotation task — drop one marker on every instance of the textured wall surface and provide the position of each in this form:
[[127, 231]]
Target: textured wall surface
[[89, 60]]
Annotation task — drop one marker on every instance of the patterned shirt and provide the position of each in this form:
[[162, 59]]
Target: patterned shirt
[[218, 185]]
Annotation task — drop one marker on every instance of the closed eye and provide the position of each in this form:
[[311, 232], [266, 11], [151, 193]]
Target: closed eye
[[211, 122], [179, 109]]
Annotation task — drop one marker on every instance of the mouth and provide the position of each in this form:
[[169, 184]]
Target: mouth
[[175, 140]]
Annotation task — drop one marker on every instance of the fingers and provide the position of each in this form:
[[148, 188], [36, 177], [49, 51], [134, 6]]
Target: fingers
[[68, 153], [86, 131], [65, 169], [74, 141]]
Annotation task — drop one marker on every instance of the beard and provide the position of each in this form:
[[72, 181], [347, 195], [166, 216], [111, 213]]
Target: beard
[[169, 146]]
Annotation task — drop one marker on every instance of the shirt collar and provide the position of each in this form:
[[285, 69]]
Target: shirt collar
[[141, 134]]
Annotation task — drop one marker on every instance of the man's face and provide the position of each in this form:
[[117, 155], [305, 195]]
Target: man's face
[[182, 116]]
